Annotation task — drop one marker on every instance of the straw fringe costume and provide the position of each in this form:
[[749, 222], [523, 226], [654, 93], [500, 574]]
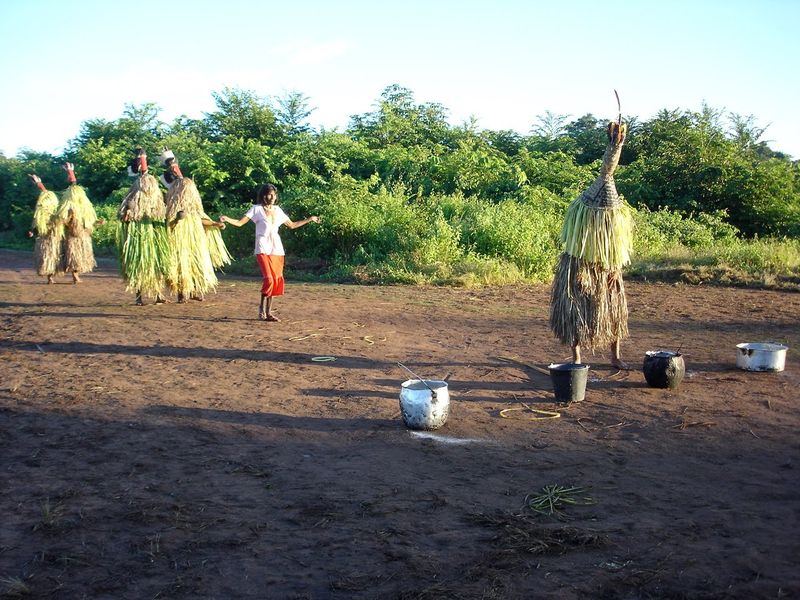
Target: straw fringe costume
[[220, 256], [191, 271], [142, 241], [78, 217], [588, 306], [47, 251]]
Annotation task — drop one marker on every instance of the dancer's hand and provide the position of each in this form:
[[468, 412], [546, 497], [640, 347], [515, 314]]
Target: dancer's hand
[[70, 169], [30, 234], [315, 219], [37, 181]]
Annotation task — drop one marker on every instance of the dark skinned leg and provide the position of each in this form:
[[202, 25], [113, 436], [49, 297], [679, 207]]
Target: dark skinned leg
[[576, 353], [270, 316], [616, 359]]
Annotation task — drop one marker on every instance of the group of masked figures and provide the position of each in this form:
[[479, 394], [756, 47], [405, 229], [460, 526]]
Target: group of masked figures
[[63, 230], [167, 244]]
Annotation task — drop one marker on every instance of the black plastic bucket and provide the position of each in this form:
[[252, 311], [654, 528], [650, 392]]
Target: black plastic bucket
[[569, 381]]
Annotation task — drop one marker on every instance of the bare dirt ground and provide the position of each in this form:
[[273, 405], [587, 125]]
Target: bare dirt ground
[[191, 451]]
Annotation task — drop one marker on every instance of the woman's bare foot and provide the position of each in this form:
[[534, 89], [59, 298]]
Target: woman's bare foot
[[160, 300], [262, 315], [181, 299], [198, 298], [273, 318], [75, 278], [49, 279]]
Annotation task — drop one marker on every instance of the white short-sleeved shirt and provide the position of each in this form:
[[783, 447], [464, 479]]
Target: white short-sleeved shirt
[[267, 239]]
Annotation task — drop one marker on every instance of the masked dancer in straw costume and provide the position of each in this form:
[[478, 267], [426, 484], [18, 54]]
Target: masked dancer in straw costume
[[191, 268], [144, 251], [47, 253], [588, 307], [76, 214]]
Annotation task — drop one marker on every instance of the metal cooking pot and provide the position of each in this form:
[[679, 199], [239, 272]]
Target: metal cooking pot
[[424, 404], [761, 356]]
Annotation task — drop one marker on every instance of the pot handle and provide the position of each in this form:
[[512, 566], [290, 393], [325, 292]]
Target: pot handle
[[433, 393]]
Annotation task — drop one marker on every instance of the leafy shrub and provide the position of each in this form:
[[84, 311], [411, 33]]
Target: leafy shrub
[[663, 229], [761, 256], [513, 232], [104, 236], [240, 241]]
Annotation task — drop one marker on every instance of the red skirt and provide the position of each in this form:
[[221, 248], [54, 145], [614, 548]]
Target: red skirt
[[272, 271]]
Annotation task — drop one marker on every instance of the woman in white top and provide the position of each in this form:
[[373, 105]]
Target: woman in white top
[[268, 218]]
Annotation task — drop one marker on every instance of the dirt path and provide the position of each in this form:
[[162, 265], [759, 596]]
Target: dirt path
[[191, 451]]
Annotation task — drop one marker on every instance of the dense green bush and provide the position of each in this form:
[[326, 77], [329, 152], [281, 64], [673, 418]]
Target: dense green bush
[[407, 197], [663, 229]]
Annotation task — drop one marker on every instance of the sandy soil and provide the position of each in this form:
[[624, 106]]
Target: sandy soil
[[191, 451]]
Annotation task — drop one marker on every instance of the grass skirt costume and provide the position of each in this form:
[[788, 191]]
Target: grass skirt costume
[[216, 246], [191, 270], [76, 214], [47, 251], [142, 242], [587, 304]]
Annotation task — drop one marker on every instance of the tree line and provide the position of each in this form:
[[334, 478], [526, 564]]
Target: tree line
[[402, 187]]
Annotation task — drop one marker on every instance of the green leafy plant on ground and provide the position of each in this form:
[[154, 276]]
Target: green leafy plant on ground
[[372, 234]]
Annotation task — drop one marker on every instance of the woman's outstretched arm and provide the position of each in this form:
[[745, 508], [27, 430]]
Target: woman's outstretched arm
[[210, 223], [234, 222], [296, 224]]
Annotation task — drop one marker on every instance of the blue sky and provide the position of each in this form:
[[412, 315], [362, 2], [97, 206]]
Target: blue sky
[[503, 62]]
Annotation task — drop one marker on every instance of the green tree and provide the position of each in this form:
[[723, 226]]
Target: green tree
[[590, 138], [103, 149], [245, 115], [557, 172], [292, 113], [339, 153], [18, 194], [686, 162], [399, 120], [506, 141], [477, 169], [550, 126]]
